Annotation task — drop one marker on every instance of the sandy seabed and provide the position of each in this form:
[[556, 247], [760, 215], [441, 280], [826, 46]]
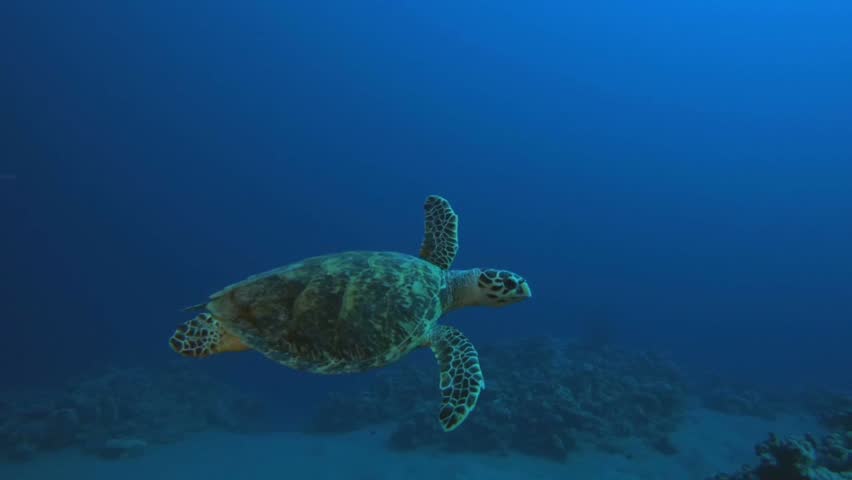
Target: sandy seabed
[[708, 442]]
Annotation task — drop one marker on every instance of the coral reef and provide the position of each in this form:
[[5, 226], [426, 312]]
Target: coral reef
[[800, 458], [833, 409], [118, 412], [544, 397], [840, 419]]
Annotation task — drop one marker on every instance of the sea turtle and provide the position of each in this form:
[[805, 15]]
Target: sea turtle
[[358, 310]]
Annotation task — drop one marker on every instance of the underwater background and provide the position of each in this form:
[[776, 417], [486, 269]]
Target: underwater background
[[672, 177]]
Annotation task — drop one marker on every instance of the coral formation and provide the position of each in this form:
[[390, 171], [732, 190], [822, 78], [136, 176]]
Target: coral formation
[[543, 397], [834, 410], [118, 412], [800, 458]]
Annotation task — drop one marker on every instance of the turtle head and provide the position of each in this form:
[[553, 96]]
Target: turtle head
[[498, 288], [488, 288]]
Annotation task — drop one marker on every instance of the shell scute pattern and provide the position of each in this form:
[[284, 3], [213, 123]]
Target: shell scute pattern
[[337, 313]]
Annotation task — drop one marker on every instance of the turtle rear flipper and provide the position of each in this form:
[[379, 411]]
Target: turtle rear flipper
[[441, 242], [461, 378], [204, 336]]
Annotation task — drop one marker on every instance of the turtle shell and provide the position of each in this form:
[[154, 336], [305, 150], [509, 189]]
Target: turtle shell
[[345, 312]]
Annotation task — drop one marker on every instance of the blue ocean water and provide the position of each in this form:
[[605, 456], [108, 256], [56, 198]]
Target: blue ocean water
[[672, 176]]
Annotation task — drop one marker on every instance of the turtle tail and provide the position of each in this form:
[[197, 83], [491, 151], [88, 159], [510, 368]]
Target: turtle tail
[[196, 308], [204, 336]]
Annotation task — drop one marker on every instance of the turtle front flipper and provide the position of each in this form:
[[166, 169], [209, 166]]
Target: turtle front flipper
[[441, 242], [461, 378], [204, 336]]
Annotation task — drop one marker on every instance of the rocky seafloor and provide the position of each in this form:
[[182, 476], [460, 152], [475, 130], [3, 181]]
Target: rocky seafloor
[[549, 398], [806, 457], [544, 397], [119, 412]]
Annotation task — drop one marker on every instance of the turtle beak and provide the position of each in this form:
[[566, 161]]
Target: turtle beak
[[524, 290]]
